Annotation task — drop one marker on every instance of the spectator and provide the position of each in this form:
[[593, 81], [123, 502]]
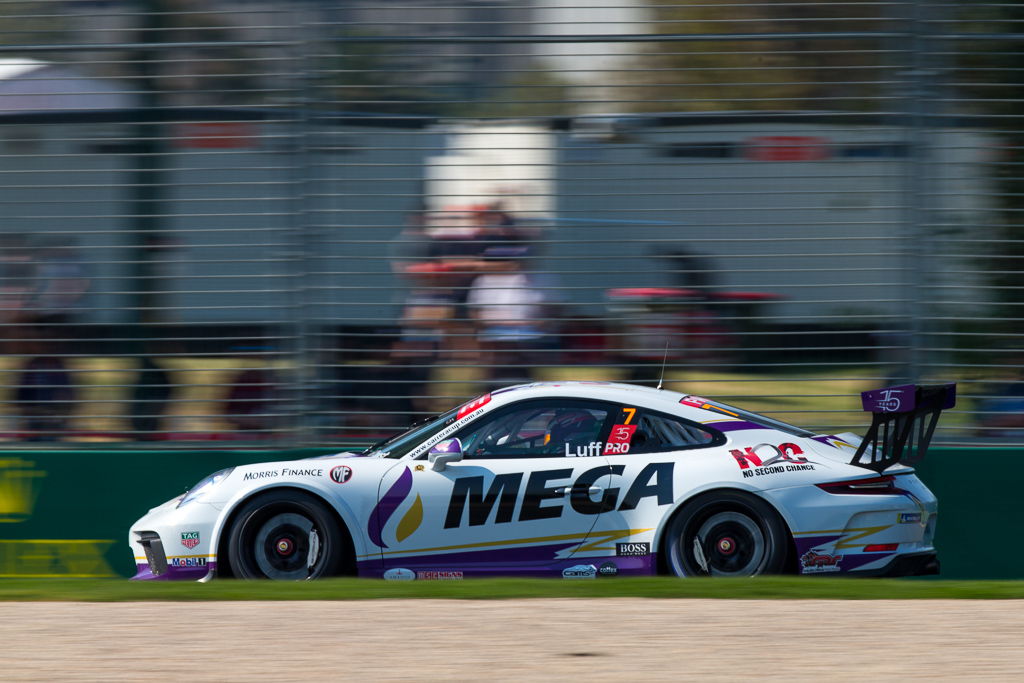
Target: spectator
[[251, 402], [429, 303], [150, 397], [16, 268], [60, 284], [508, 309], [44, 397]]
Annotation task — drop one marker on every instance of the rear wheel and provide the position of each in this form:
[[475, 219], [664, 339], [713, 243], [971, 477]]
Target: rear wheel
[[286, 536], [726, 534]]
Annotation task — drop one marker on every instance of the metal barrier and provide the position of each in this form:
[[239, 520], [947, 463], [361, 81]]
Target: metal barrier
[[299, 223]]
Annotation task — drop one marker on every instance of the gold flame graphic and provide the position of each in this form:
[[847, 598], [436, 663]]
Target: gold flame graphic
[[411, 520]]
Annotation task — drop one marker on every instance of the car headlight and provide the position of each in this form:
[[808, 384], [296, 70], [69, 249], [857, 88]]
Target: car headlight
[[205, 485]]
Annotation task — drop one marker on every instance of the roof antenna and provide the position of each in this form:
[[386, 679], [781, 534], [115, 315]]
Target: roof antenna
[[663, 360]]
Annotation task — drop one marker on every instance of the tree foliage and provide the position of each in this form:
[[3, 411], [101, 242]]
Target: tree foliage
[[728, 72]]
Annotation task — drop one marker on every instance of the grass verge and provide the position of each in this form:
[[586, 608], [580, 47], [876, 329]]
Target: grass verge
[[778, 588]]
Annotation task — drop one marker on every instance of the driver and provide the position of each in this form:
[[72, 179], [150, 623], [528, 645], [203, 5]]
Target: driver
[[572, 431]]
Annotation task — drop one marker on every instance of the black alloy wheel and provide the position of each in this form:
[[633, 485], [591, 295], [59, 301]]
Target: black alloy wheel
[[286, 536], [726, 533]]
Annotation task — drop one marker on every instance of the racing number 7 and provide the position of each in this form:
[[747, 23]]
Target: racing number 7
[[630, 412]]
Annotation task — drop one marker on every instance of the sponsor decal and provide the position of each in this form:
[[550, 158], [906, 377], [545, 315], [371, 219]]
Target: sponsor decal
[[632, 549], [260, 475], [284, 472], [19, 489], [909, 518], [833, 441], [341, 474], [186, 561], [889, 400], [387, 506], [399, 574], [787, 457], [190, 539], [446, 432], [445, 575], [55, 557], [467, 408], [698, 402], [410, 521], [815, 562], [543, 498], [580, 571], [608, 569], [308, 472], [618, 439], [589, 451]]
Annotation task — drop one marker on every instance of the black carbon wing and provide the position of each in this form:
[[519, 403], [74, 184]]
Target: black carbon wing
[[902, 423]]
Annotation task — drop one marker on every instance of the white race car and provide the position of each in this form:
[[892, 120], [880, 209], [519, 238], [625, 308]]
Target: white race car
[[572, 480]]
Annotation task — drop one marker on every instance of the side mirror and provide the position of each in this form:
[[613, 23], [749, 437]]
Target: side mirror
[[443, 453]]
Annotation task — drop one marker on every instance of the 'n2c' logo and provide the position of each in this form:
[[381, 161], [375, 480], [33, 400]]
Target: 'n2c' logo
[[785, 457]]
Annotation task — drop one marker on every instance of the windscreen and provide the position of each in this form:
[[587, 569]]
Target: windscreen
[[400, 444]]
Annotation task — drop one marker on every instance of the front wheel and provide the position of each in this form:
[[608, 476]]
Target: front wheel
[[726, 534], [286, 536]]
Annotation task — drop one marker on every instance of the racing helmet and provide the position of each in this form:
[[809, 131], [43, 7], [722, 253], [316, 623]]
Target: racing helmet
[[569, 426]]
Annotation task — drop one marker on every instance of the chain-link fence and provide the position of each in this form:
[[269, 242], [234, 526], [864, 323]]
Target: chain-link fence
[[312, 223]]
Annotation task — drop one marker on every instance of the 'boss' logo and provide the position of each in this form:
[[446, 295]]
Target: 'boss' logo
[[632, 549]]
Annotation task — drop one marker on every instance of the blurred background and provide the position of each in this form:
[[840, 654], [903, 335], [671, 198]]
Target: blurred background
[[310, 223]]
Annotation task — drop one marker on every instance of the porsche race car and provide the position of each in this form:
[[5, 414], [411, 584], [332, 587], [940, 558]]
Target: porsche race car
[[576, 480]]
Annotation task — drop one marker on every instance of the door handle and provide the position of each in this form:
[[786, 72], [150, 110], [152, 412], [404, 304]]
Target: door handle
[[566, 490]]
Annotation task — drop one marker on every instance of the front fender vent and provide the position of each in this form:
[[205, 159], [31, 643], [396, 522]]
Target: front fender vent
[[154, 549]]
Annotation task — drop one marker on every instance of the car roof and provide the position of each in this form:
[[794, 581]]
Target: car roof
[[663, 399]]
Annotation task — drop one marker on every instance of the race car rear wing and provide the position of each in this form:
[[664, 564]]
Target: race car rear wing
[[902, 424]]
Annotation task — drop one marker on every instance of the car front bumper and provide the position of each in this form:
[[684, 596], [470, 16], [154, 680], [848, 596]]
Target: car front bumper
[[175, 544]]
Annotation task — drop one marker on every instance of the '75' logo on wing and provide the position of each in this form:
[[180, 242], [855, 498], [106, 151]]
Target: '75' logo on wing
[[889, 402]]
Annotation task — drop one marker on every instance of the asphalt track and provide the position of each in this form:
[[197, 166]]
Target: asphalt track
[[512, 640]]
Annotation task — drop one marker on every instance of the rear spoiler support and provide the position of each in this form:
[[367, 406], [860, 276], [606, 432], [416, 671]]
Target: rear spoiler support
[[902, 423]]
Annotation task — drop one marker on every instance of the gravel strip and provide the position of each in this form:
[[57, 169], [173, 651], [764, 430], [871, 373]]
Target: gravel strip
[[514, 640]]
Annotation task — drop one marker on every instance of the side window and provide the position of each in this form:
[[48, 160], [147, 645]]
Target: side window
[[643, 431], [538, 429]]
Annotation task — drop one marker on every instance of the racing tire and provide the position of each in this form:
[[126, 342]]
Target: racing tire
[[285, 536], [726, 533]]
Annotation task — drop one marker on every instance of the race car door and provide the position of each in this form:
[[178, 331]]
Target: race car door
[[530, 487], [646, 456]]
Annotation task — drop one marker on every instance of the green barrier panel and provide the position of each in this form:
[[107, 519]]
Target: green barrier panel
[[978, 494], [67, 513]]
